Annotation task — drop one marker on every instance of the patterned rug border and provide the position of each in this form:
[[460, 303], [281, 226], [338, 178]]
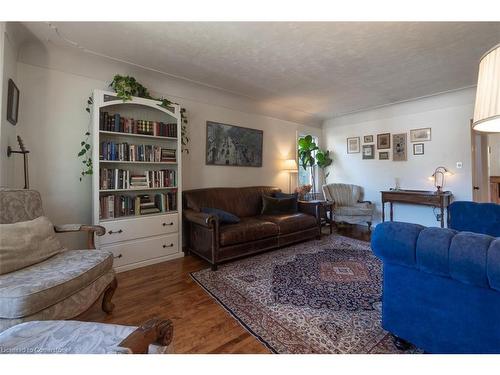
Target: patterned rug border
[[233, 314]]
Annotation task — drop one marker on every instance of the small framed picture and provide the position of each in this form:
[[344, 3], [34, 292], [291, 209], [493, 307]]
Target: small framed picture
[[353, 145], [420, 135], [418, 149], [368, 139], [384, 155], [384, 141], [12, 102], [399, 152], [368, 152]]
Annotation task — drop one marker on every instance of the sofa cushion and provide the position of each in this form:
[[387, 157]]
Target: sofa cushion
[[34, 288], [295, 196], [493, 264], [289, 223], [432, 250], [27, 242], [223, 216], [475, 217], [358, 209], [240, 201], [277, 206], [248, 229]]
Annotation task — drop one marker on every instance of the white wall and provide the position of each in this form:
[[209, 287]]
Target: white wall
[[8, 58], [54, 120], [447, 114]]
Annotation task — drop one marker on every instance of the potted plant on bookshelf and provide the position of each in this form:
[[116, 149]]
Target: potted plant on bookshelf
[[126, 87]]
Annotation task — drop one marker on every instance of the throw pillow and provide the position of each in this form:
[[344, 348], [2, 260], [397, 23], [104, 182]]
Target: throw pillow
[[276, 206], [224, 216], [26, 243], [295, 196]]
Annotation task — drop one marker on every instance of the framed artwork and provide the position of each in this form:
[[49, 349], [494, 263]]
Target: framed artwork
[[384, 155], [232, 145], [12, 102], [399, 152], [353, 145], [420, 135], [418, 149], [368, 139], [368, 152], [383, 141]]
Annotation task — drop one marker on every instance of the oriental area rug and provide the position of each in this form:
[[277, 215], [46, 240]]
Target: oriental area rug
[[321, 296]]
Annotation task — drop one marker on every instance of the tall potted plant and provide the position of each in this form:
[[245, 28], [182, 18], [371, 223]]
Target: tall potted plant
[[310, 155]]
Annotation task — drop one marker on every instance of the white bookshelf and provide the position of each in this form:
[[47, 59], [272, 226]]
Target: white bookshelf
[[137, 240]]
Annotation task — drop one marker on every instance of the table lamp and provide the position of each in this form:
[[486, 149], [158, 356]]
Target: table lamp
[[290, 165], [439, 177]]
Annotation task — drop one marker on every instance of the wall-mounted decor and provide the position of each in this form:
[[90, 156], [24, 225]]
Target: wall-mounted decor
[[353, 145], [384, 155], [399, 152], [12, 102], [384, 141], [233, 145], [420, 135], [368, 139], [368, 152], [418, 149]]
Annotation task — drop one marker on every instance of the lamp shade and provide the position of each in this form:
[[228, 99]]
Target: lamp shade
[[290, 165], [487, 108]]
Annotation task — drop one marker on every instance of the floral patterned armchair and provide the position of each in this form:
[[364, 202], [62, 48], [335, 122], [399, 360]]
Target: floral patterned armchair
[[62, 286]]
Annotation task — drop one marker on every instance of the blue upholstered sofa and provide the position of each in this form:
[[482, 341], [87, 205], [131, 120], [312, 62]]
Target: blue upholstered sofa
[[441, 287]]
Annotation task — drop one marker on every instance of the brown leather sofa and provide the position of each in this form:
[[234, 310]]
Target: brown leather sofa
[[217, 242]]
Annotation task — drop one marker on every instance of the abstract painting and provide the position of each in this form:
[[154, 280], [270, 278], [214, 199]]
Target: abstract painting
[[232, 145]]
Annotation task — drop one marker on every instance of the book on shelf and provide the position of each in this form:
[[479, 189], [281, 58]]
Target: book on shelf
[[117, 123], [115, 151], [115, 206], [115, 178]]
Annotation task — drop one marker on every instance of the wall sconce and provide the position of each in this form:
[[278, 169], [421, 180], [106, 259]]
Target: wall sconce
[[439, 178], [290, 165]]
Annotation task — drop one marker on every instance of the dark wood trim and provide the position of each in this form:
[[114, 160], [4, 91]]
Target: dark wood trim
[[107, 305]]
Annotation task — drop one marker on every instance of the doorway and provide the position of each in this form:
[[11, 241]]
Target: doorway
[[485, 166]]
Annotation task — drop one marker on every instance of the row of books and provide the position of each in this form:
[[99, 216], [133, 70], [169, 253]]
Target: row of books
[[109, 150], [114, 206], [114, 178], [116, 123]]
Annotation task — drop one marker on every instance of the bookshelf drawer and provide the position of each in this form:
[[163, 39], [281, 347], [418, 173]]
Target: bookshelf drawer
[[129, 229], [145, 249]]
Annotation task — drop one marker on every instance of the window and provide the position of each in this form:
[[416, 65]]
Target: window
[[305, 176]]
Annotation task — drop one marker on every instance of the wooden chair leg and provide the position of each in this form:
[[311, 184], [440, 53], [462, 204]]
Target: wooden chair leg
[[107, 305]]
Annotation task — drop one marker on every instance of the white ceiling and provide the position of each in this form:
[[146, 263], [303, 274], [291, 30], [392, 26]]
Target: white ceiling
[[324, 69]]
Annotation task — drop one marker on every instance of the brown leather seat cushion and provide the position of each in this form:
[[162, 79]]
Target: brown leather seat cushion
[[289, 223], [248, 229]]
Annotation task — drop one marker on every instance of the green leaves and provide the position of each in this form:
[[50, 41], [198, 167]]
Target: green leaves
[[306, 148], [86, 154]]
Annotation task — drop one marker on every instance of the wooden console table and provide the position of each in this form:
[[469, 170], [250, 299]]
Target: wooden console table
[[417, 197]]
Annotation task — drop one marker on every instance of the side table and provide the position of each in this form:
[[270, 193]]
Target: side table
[[320, 209]]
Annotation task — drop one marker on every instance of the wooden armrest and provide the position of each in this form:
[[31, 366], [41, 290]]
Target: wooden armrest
[[154, 331], [200, 218], [90, 229]]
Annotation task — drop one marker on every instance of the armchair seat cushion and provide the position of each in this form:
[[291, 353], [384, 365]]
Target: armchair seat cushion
[[34, 288], [290, 223], [358, 209], [248, 229]]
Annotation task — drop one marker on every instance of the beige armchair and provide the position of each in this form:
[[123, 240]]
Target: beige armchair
[[60, 287], [348, 204]]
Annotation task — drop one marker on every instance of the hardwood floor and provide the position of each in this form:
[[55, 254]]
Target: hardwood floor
[[166, 290]]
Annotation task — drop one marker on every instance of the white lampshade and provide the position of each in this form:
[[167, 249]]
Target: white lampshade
[[290, 165], [487, 109]]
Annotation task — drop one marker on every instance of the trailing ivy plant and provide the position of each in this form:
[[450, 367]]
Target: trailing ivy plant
[[85, 152], [126, 87]]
